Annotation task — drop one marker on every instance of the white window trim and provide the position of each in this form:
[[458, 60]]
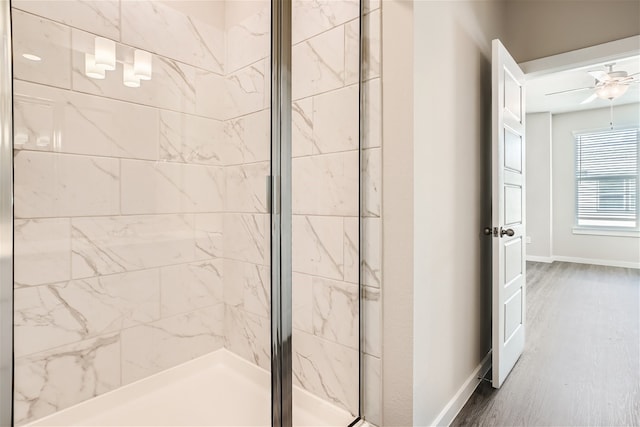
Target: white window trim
[[603, 231]]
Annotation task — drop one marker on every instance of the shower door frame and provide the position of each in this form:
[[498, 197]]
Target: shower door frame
[[6, 217], [281, 214]]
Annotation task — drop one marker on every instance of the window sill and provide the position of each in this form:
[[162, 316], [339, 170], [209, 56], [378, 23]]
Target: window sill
[[606, 232]]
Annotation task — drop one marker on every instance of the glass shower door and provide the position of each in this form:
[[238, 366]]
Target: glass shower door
[[141, 145], [326, 208]]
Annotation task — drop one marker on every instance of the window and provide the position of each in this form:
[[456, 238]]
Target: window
[[607, 179]]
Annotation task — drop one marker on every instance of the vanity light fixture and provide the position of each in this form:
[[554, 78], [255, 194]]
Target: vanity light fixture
[[91, 69], [129, 79], [105, 53], [142, 64]]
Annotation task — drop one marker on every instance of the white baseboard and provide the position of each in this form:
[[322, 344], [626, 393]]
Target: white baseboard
[[455, 405], [545, 259], [607, 262]]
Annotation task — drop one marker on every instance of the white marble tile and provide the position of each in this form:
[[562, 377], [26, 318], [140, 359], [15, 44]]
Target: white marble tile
[[46, 39], [212, 96], [57, 185], [35, 118], [249, 39], [326, 185], [311, 17], [187, 287], [147, 349], [97, 16], [372, 389], [257, 289], [318, 64], [248, 138], [246, 188], [335, 311], [371, 52], [105, 245], [352, 51], [42, 251], [318, 246], [234, 275], [351, 249], [208, 235], [56, 379], [372, 114], [326, 369], [246, 237], [247, 90], [50, 119], [248, 336], [372, 318], [161, 29], [248, 286], [371, 252], [302, 302], [172, 85], [42, 321], [302, 127], [336, 120], [242, 92], [162, 187], [191, 139], [372, 179], [110, 303]]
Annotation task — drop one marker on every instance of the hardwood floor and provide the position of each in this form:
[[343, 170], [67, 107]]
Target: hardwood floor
[[581, 364]]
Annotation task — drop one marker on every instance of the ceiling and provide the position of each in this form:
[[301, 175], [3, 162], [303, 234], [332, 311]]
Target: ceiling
[[538, 102]]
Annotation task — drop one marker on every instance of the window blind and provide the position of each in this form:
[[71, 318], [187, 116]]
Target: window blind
[[607, 178]]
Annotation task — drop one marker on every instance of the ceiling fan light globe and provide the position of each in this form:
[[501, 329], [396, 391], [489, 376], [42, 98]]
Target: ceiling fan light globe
[[611, 91]]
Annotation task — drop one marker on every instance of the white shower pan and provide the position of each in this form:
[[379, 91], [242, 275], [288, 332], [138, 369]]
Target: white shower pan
[[218, 389]]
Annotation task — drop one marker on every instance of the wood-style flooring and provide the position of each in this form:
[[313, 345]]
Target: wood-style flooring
[[581, 363]]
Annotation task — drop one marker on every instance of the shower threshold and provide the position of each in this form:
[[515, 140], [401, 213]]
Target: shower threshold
[[218, 389]]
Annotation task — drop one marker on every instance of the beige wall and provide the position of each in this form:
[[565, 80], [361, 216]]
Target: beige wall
[[605, 249], [452, 148], [539, 186], [397, 211], [435, 201], [539, 28]]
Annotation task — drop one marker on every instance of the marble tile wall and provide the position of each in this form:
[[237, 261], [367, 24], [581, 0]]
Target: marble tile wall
[[119, 199], [142, 235]]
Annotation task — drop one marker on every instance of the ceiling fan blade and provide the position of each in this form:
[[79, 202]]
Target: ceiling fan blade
[[634, 74], [589, 99], [601, 76], [570, 90]]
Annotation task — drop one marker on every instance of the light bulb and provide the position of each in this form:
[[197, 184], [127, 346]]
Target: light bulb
[[91, 69], [129, 79], [105, 53], [142, 64]]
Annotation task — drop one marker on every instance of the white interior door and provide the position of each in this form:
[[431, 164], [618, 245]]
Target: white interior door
[[508, 212]]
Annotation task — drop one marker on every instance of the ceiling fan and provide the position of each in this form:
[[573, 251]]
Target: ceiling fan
[[608, 85]]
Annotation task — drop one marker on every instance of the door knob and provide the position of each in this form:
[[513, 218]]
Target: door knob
[[509, 232]]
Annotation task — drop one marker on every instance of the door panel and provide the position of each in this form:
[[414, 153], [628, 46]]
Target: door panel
[[508, 213]]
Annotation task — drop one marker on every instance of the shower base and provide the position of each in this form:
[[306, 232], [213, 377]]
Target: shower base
[[218, 389]]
